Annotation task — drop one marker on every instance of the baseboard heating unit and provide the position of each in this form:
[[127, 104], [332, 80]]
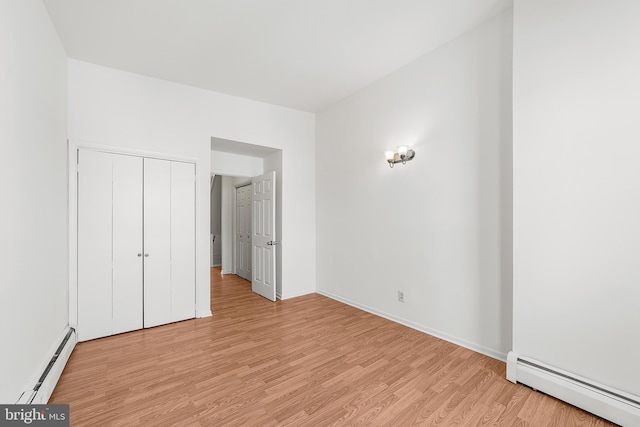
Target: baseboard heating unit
[[47, 380], [614, 405]]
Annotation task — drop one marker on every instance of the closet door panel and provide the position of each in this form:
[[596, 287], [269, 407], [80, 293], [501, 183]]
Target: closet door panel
[[127, 243], [182, 241], [157, 242], [94, 245]]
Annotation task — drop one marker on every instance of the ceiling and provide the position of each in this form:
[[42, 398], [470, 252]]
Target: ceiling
[[302, 54]]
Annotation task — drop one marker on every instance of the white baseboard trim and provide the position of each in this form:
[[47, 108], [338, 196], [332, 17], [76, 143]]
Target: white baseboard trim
[[295, 294], [439, 334], [39, 393], [204, 313], [606, 402]]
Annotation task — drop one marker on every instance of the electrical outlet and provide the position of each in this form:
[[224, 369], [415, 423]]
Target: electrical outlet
[[401, 296]]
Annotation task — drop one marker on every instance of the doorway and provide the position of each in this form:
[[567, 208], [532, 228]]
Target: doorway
[[237, 162]]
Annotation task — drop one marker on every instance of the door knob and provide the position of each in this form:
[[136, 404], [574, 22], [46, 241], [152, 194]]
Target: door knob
[[139, 255], [146, 255]]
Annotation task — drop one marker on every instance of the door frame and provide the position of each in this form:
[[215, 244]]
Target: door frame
[[271, 158], [72, 149]]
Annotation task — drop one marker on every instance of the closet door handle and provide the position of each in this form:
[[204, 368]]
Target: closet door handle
[[139, 255], [146, 255]]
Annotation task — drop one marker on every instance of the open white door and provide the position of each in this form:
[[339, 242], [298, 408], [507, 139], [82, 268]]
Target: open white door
[[263, 235]]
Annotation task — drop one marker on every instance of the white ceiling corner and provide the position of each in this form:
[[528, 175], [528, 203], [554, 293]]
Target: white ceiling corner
[[302, 54]]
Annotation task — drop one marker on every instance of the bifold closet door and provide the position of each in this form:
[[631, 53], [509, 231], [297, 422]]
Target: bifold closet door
[[183, 241], [169, 241], [109, 244]]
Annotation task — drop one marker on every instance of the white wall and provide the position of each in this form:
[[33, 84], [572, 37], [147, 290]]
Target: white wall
[[33, 182], [231, 164], [437, 228], [576, 194], [108, 106]]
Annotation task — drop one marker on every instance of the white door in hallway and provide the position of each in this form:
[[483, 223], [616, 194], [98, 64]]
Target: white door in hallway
[[109, 244], [263, 239], [243, 232]]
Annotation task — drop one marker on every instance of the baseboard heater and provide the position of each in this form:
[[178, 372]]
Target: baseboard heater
[[46, 382], [614, 405]]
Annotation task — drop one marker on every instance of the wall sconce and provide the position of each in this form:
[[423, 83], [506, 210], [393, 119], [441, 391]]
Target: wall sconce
[[403, 155]]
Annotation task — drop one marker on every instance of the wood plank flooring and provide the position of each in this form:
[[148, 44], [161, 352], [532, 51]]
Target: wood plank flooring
[[307, 361]]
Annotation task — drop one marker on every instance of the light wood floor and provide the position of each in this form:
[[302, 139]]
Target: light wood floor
[[307, 361]]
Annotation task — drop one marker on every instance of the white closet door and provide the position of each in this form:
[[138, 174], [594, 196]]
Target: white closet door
[[109, 241], [127, 243], [94, 245], [157, 242], [183, 244]]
